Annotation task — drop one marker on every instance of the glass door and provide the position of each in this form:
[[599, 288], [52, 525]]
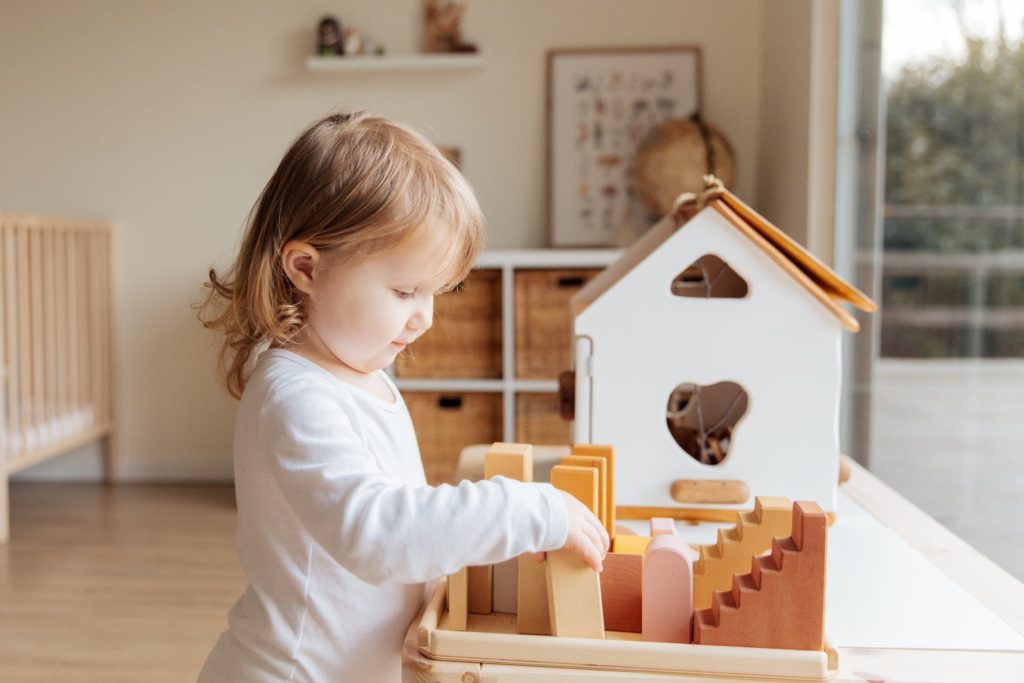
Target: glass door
[[932, 225]]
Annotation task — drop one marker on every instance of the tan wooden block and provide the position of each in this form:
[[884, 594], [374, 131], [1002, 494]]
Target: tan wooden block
[[574, 596], [532, 614], [780, 603], [731, 554], [481, 589], [663, 525], [621, 595], [512, 460], [581, 482], [630, 545], [458, 599], [515, 461], [608, 453], [574, 589], [601, 465], [505, 580]]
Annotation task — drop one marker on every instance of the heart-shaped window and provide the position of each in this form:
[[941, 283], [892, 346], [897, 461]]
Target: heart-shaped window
[[702, 419]]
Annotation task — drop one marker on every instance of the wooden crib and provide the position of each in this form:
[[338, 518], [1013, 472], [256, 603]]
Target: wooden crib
[[56, 343]]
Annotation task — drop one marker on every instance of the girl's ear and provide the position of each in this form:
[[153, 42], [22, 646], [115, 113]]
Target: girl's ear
[[300, 261]]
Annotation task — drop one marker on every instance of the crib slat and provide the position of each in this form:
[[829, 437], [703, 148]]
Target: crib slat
[[49, 336], [74, 337], [5, 358]]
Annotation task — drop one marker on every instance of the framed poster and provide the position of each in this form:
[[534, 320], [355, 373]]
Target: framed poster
[[601, 104]]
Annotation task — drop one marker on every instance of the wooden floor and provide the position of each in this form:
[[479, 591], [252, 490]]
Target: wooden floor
[[126, 583]]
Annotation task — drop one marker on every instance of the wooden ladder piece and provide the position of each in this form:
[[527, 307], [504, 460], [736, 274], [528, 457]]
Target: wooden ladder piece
[[780, 603], [574, 589], [731, 554]]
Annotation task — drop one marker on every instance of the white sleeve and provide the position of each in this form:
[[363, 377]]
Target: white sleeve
[[384, 530]]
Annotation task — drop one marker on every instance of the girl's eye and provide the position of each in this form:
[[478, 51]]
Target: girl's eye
[[402, 294]]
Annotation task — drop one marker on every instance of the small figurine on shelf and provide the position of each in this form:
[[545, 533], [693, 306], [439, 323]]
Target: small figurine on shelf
[[443, 33], [353, 42], [328, 38]]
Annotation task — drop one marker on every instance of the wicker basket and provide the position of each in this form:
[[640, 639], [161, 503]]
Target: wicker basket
[[544, 320], [448, 421], [465, 340], [538, 420]]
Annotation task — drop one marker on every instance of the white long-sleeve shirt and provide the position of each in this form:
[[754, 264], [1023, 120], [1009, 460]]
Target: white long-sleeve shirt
[[338, 531]]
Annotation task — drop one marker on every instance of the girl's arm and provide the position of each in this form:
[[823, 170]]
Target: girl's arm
[[381, 529]]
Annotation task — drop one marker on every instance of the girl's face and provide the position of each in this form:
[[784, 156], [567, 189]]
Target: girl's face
[[365, 312]]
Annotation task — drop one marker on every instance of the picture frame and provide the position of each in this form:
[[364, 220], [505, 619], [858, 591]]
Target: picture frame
[[601, 102]]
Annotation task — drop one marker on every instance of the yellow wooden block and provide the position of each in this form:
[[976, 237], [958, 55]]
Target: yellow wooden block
[[630, 545]]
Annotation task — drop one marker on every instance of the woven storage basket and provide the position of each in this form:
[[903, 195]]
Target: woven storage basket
[[544, 319], [448, 421], [538, 420], [465, 340]]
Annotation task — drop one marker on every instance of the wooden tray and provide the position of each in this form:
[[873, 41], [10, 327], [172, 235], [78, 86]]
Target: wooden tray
[[492, 639]]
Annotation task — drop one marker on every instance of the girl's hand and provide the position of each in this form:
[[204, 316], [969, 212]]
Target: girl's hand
[[587, 536]]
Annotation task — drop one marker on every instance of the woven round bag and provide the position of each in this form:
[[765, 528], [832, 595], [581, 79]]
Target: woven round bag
[[674, 157]]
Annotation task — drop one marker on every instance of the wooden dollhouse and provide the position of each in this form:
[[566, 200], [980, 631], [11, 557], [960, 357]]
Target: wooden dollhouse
[[710, 354]]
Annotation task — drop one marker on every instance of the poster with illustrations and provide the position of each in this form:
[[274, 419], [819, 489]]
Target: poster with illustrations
[[601, 104]]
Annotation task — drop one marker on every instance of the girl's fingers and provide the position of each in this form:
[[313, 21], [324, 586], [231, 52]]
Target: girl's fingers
[[541, 556]]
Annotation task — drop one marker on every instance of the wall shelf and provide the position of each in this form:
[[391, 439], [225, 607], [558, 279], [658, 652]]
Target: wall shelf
[[397, 62]]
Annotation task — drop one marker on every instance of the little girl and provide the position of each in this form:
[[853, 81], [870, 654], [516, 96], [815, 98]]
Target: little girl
[[361, 225]]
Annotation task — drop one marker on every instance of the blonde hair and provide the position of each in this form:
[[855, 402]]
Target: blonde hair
[[352, 184]]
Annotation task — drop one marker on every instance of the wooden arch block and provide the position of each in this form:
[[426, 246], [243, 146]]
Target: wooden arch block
[[667, 612]]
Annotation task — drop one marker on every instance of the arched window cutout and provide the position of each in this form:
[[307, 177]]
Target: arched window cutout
[[702, 419], [709, 277]]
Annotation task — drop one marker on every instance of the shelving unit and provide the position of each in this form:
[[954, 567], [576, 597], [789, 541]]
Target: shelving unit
[[475, 345], [397, 62]]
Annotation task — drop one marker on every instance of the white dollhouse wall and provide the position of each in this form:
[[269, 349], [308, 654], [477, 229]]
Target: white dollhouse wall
[[637, 342]]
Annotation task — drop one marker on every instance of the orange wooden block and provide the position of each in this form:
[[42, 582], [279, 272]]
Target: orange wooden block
[[601, 465], [781, 602], [630, 545], [608, 453], [621, 595]]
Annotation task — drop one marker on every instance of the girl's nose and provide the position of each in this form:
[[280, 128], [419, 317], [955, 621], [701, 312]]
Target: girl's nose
[[423, 318]]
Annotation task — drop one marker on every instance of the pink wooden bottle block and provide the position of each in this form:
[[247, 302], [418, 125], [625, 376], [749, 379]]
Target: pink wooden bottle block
[[667, 612]]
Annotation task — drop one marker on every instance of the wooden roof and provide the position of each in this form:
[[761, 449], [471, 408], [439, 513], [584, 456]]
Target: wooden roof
[[823, 283]]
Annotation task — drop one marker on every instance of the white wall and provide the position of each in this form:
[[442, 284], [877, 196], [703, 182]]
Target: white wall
[[168, 117]]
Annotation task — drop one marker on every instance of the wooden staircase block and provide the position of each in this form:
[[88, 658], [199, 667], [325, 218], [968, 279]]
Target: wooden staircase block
[[731, 554], [780, 603]]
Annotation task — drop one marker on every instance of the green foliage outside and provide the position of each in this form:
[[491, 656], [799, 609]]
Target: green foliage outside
[[955, 138]]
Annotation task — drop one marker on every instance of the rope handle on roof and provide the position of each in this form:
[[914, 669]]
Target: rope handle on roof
[[689, 203]]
